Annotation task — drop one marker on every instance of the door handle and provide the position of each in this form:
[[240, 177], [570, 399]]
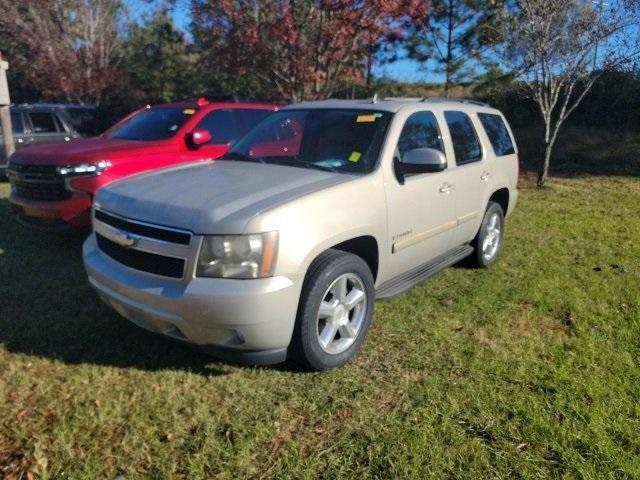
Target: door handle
[[485, 176], [446, 188]]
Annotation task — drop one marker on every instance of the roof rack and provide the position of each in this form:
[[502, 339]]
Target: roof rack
[[376, 98], [468, 101], [53, 105], [406, 99]]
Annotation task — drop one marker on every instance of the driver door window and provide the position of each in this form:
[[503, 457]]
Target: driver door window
[[420, 131], [223, 125]]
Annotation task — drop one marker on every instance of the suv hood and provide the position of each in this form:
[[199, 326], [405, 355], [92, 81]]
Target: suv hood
[[84, 150], [213, 197]]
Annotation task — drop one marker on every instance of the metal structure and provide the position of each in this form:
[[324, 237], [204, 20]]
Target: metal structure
[[5, 114]]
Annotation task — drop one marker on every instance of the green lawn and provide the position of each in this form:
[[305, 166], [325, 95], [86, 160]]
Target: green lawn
[[530, 369]]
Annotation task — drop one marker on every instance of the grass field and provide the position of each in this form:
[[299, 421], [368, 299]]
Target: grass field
[[528, 370]]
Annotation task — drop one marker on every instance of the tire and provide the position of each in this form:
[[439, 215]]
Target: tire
[[328, 338], [486, 254]]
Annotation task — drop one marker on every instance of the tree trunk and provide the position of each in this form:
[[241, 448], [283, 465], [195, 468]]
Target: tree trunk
[[543, 167], [449, 48], [369, 66]]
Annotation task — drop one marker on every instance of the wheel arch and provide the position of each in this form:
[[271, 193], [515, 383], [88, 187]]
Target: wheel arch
[[365, 247], [501, 197]]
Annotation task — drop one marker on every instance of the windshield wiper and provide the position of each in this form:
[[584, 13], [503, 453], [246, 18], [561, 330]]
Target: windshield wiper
[[298, 162], [242, 157], [315, 166]]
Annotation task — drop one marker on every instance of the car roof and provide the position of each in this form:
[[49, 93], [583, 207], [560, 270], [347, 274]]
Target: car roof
[[392, 104], [218, 105], [52, 106]]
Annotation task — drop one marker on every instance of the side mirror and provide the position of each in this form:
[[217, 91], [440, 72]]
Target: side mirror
[[422, 160], [198, 138]]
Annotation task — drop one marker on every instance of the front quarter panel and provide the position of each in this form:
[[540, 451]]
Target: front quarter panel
[[316, 222]]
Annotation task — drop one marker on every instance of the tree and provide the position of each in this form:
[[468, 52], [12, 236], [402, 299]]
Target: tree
[[457, 34], [554, 46], [66, 49], [158, 64], [298, 49]]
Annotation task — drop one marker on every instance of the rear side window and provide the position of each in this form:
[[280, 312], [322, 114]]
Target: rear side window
[[84, 120], [420, 131], [466, 145], [17, 125], [497, 133], [223, 125], [43, 122]]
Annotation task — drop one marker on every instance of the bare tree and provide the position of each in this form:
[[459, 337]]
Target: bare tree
[[67, 49], [552, 44]]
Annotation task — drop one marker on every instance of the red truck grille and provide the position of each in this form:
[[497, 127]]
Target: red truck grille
[[37, 182]]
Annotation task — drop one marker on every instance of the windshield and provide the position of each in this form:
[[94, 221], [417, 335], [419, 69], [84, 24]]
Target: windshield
[[157, 123], [346, 141]]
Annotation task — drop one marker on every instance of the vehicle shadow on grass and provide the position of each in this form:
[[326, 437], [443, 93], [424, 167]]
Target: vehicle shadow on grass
[[48, 309]]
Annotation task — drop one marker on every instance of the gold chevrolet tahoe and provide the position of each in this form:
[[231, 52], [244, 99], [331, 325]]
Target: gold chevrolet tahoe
[[279, 249]]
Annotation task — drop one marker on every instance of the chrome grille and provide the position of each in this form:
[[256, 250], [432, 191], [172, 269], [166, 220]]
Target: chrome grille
[[143, 261], [145, 247]]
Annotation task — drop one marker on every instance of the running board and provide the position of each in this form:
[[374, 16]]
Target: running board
[[405, 281]]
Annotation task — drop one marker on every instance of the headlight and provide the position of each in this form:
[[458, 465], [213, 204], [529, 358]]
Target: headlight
[[84, 169], [238, 256]]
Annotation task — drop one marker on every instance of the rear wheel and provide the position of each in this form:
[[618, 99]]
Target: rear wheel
[[335, 310], [488, 241]]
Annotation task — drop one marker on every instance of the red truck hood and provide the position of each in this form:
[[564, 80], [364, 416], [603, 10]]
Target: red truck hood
[[85, 150]]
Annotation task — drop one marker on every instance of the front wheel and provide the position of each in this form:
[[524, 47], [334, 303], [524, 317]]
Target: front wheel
[[488, 241], [335, 311]]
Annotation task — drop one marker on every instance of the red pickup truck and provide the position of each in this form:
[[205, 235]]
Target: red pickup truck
[[53, 184]]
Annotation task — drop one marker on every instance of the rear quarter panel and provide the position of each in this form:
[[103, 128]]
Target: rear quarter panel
[[504, 170]]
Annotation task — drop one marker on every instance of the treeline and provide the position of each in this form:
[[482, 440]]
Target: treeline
[[94, 52], [613, 103], [285, 50], [545, 61]]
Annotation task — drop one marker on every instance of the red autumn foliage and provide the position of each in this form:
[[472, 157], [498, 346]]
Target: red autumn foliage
[[65, 50], [301, 49]]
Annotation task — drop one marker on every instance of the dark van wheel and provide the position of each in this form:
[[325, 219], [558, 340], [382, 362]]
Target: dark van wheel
[[335, 310], [488, 241]]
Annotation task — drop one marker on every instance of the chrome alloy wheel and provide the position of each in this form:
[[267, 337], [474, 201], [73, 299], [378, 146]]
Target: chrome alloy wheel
[[492, 237], [341, 314]]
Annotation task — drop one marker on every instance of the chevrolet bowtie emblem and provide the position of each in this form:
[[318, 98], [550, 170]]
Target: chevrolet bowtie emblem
[[125, 240]]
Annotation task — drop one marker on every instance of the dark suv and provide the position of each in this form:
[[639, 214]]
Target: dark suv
[[46, 123]]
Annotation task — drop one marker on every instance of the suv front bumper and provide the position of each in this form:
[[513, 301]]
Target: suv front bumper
[[248, 321]]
